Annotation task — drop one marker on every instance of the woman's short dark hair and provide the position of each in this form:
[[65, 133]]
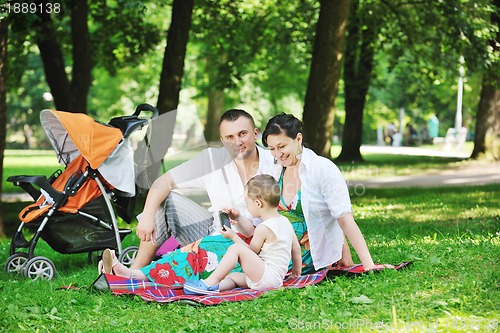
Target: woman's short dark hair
[[282, 123], [234, 114]]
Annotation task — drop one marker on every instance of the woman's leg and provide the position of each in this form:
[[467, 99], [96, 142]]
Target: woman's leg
[[251, 264], [119, 269]]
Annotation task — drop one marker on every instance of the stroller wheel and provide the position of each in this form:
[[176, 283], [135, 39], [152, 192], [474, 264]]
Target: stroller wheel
[[16, 262], [127, 256], [39, 268]]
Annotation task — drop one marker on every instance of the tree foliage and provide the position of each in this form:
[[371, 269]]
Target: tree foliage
[[416, 67], [250, 51]]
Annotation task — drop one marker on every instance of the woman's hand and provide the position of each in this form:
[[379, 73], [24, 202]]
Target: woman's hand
[[296, 271], [378, 267]]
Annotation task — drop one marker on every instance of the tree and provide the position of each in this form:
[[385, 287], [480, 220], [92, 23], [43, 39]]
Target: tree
[[175, 53], [322, 86], [250, 52], [487, 132], [3, 105], [120, 34], [68, 95], [358, 68], [417, 57], [228, 37], [171, 79], [53, 61]]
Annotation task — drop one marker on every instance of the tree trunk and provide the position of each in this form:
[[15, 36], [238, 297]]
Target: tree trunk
[[358, 67], [53, 62], [4, 26], [322, 86], [82, 63], [175, 52], [171, 76], [215, 108], [487, 132]]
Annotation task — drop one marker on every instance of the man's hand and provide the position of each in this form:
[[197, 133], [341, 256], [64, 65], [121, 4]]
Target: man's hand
[[146, 231]]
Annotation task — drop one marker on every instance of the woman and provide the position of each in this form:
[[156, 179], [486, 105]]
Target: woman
[[314, 197]]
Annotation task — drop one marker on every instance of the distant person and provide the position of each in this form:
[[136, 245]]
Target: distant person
[[391, 129], [265, 260], [433, 127], [424, 134], [411, 135]]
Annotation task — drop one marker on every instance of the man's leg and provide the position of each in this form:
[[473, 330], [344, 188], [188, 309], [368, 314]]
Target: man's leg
[[186, 220], [147, 250], [178, 216]]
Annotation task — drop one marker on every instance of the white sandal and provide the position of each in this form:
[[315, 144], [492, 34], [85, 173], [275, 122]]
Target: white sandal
[[109, 261]]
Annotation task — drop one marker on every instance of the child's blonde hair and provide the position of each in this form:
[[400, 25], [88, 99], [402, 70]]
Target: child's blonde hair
[[265, 188]]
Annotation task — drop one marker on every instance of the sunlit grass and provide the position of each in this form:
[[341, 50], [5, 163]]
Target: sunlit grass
[[44, 162], [451, 234]]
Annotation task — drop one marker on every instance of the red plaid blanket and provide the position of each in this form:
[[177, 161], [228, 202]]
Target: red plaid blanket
[[149, 291], [359, 270]]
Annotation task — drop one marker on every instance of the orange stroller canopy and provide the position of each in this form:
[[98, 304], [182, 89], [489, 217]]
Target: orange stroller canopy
[[71, 134]]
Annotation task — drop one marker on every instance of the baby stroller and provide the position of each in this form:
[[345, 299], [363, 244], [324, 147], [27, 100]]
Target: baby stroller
[[74, 209]]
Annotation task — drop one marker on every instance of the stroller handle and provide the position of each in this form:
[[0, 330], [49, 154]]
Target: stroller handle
[[146, 107], [128, 124], [41, 181]]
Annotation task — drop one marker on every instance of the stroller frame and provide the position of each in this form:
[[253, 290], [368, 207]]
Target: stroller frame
[[39, 267]]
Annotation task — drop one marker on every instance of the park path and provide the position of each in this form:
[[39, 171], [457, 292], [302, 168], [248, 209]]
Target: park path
[[467, 173]]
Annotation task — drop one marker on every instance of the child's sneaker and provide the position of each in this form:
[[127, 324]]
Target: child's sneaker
[[198, 287]]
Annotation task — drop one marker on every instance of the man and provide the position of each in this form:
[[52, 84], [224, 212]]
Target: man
[[222, 172]]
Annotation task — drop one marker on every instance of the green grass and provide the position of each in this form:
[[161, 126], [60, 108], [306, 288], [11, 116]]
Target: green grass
[[27, 162], [44, 162], [380, 165], [451, 233]]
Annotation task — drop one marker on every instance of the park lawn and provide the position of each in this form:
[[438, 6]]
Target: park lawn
[[44, 162], [452, 234]]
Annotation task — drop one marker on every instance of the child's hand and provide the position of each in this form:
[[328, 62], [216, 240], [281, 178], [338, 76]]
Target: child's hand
[[227, 233]]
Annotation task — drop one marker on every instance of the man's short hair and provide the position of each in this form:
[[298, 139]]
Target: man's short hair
[[265, 188], [233, 115]]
